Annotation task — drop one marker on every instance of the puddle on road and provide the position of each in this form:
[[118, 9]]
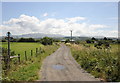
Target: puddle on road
[[58, 67]]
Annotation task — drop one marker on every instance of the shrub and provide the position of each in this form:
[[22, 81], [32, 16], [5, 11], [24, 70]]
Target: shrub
[[47, 41], [67, 41], [100, 63]]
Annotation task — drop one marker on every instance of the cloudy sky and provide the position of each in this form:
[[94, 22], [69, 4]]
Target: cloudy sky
[[84, 18]]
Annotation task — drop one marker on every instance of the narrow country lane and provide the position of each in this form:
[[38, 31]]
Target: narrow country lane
[[61, 66]]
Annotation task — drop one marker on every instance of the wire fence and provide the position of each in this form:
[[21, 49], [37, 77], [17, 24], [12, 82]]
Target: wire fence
[[18, 58]]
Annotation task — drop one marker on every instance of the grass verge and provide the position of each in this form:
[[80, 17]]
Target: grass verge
[[27, 70], [101, 63]]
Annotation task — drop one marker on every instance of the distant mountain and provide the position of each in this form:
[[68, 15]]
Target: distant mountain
[[77, 37], [98, 37], [37, 35], [58, 36]]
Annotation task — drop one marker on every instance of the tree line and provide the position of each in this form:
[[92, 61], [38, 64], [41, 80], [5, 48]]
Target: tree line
[[44, 40]]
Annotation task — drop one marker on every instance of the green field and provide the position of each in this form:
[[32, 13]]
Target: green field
[[102, 63], [27, 70], [20, 48]]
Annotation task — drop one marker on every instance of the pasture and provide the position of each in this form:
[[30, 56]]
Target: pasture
[[20, 48]]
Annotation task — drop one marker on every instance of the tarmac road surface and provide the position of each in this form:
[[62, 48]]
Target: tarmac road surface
[[61, 66]]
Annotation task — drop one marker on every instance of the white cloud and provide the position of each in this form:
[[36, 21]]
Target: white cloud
[[24, 22], [23, 18], [45, 14], [30, 24], [75, 19], [97, 26]]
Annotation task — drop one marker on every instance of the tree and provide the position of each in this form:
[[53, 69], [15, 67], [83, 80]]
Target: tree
[[105, 38], [47, 41], [26, 40], [38, 40], [31, 40], [14, 40], [93, 38], [3, 40], [67, 40], [22, 40], [118, 41], [56, 40]]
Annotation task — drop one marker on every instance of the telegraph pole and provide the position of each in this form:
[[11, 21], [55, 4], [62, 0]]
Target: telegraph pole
[[71, 35]]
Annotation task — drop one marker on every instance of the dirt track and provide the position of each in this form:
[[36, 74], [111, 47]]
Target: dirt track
[[61, 66]]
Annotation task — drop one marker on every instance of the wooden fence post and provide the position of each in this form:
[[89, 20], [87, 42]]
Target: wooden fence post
[[31, 52], [25, 56], [40, 50], [19, 58], [5, 61], [8, 62], [36, 51]]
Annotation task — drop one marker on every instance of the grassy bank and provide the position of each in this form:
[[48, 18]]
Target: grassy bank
[[27, 70], [101, 63]]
